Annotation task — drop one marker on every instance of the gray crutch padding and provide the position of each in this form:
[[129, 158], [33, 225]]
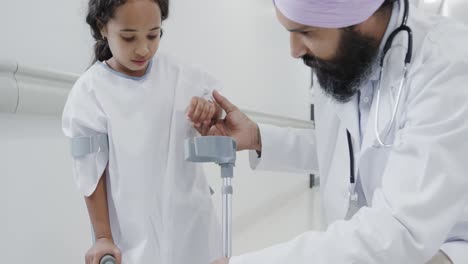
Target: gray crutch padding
[[222, 151], [82, 146]]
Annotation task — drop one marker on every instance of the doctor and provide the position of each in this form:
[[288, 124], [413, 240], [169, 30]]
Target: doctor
[[391, 137]]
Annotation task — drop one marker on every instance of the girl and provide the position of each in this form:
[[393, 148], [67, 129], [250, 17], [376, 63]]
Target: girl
[[146, 204]]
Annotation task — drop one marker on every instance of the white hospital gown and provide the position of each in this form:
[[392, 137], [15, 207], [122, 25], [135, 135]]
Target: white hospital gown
[[160, 206]]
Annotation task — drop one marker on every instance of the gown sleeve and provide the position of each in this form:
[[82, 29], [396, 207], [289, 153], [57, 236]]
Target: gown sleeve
[[83, 117], [202, 84], [209, 85]]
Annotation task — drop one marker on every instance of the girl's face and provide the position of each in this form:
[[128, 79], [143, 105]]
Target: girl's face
[[133, 35]]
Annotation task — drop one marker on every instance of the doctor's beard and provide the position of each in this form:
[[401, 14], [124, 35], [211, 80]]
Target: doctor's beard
[[342, 76]]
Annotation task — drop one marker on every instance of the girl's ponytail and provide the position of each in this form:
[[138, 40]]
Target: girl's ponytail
[[102, 51]]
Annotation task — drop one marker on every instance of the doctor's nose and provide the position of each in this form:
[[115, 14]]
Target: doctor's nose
[[298, 49]]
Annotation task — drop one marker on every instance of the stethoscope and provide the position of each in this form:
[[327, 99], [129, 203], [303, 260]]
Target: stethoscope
[[409, 53]]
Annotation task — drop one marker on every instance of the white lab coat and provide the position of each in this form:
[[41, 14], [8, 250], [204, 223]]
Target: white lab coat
[[160, 206], [417, 191]]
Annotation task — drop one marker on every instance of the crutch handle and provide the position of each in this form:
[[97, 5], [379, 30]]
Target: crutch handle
[[108, 259]]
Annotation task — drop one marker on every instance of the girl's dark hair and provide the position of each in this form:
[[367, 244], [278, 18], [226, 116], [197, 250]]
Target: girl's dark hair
[[100, 12]]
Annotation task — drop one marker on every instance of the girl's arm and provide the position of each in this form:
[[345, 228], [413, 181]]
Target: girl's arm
[[99, 215], [98, 210]]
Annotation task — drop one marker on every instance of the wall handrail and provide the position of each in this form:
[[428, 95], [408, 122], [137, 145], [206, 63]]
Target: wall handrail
[[31, 90]]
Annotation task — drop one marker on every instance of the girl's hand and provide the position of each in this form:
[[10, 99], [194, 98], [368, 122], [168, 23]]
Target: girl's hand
[[203, 113], [102, 247]]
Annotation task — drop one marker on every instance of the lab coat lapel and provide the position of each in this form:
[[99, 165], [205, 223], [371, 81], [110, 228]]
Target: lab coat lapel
[[349, 117], [338, 180]]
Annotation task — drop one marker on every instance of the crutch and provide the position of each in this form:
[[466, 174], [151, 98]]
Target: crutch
[[222, 151]]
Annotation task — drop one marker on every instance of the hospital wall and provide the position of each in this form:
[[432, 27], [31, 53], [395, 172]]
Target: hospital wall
[[43, 218]]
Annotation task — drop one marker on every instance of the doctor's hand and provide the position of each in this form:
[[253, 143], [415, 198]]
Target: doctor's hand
[[203, 113], [102, 247], [236, 125]]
